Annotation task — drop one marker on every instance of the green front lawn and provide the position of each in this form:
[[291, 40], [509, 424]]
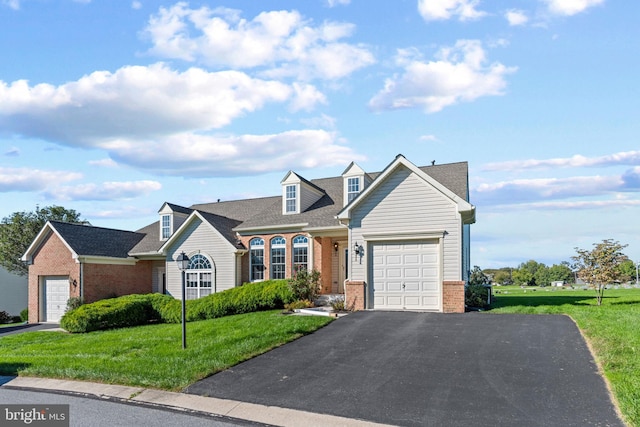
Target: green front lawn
[[152, 356], [613, 331]]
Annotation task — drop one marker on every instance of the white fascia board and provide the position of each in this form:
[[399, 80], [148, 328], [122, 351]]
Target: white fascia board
[[106, 260], [277, 228], [185, 224], [40, 238]]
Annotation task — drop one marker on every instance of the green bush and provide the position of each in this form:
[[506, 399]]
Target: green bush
[[129, 310], [305, 284], [132, 310], [5, 317], [24, 315], [476, 296]]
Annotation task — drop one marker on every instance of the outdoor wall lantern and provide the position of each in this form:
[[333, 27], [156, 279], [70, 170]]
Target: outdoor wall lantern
[[359, 250], [335, 246], [183, 264]]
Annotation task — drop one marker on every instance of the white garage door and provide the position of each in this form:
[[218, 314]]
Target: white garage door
[[405, 276], [56, 294]]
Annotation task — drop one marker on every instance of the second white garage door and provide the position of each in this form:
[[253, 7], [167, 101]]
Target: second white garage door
[[405, 276]]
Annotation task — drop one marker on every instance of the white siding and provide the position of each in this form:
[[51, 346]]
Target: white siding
[[308, 197], [201, 238], [404, 205]]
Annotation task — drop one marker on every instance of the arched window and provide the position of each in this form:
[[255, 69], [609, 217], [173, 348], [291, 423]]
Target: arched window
[[300, 253], [278, 258], [199, 277], [256, 252]]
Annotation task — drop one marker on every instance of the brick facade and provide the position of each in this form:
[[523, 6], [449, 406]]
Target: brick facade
[[322, 252], [99, 281], [354, 295], [53, 258], [453, 297], [107, 281]]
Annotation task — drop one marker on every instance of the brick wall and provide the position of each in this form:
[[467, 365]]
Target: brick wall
[[322, 251], [52, 259], [107, 280], [453, 296], [354, 295]]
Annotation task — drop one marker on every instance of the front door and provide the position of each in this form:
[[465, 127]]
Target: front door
[[343, 267]]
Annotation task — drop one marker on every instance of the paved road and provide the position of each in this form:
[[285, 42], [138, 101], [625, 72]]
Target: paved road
[[430, 369], [102, 413]]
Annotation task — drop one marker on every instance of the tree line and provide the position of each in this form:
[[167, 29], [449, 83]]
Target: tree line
[[605, 262]]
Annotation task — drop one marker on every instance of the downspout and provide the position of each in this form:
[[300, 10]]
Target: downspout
[[81, 280]]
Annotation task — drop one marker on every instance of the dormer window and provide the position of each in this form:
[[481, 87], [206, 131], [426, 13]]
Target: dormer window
[[353, 188], [290, 199], [165, 227]]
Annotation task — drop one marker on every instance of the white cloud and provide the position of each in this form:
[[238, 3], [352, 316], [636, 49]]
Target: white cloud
[[628, 158], [459, 75], [107, 163], [104, 191], [138, 102], [516, 17], [429, 138], [27, 179], [12, 4], [12, 152], [540, 190], [277, 43], [306, 97], [216, 156], [570, 7], [136, 5], [334, 3], [434, 10], [323, 122]]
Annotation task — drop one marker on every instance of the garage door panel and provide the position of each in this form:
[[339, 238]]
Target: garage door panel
[[56, 294], [406, 276]]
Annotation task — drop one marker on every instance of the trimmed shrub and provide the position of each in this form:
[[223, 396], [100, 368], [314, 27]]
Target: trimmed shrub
[[129, 310], [24, 315], [132, 310], [305, 284]]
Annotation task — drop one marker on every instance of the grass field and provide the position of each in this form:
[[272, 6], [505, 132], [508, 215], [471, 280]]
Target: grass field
[[612, 330], [152, 356]]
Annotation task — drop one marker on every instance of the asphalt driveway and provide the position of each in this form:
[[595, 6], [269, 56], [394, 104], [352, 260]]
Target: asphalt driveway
[[430, 369]]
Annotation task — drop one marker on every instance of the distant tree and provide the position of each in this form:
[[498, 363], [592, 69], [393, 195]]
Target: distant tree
[[561, 272], [601, 265], [477, 277], [503, 276], [525, 274], [627, 271], [542, 276], [18, 230]]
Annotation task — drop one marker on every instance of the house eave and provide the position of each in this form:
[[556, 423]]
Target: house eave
[[278, 228], [92, 259]]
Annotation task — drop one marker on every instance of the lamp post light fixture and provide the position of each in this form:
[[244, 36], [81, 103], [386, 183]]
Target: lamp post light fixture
[[183, 264]]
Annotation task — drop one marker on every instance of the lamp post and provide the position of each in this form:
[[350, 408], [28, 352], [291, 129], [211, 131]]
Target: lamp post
[[183, 264]]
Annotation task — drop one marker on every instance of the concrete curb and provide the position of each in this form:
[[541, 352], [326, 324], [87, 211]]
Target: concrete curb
[[178, 401]]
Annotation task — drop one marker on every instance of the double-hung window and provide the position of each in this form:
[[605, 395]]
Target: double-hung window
[[256, 251], [198, 280], [278, 258], [300, 253], [353, 188], [290, 199], [166, 226]]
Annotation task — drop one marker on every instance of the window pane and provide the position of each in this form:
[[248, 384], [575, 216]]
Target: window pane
[[257, 264]]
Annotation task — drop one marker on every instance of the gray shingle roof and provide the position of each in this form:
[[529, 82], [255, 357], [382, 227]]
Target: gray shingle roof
[[242, 214], [96, 241]]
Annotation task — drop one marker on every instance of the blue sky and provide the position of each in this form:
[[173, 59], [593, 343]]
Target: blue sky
[[113, 107]]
